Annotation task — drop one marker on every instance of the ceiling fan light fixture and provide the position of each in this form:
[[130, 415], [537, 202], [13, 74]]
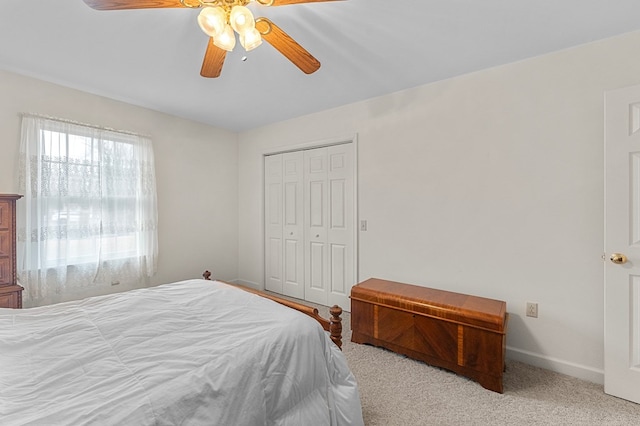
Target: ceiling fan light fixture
[[241, 19], [226, 40], [250, 39], [212, 21]]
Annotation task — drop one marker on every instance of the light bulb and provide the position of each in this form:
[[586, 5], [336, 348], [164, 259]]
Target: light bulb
[[226, 40], [212, 21], [250, 39], [241, 19]]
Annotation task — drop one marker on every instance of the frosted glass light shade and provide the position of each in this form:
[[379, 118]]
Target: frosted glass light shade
[[212, 21], [250, 39], [241, 19], [226, 40]]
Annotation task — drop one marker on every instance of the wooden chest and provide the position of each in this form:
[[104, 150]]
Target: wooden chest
[[458, 332]]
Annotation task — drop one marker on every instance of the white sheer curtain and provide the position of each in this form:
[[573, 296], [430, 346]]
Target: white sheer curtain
[[89, 216]]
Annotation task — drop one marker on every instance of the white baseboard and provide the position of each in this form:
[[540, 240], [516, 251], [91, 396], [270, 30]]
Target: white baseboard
[[559, 366], [250, 284]]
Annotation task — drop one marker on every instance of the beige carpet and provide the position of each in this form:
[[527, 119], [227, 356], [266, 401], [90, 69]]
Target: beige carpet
[[395, 390], [398, 391]]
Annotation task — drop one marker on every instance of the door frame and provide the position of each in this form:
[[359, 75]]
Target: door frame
[[353, 140]]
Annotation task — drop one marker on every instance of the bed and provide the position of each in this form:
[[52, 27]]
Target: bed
[[194, 352]]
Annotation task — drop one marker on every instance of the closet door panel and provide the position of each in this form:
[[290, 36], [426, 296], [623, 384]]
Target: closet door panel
[[293, 224], [315, 210], [273, 223], [340, 232]]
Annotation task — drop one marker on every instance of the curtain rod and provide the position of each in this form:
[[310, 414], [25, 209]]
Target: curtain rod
[[93, 126]]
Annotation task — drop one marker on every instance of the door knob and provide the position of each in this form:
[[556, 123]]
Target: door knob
[[618, 258]]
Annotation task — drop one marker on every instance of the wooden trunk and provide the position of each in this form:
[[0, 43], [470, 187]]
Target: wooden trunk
[[458, 332]]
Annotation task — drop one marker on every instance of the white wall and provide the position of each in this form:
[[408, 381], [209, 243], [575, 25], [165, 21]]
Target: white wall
[[196, 169], [490, 184]]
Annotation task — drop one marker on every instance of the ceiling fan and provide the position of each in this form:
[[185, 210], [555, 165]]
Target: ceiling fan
[[219, 19]]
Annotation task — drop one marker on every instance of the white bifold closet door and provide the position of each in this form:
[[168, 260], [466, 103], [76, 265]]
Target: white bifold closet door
[[284, 246], [309, 224]]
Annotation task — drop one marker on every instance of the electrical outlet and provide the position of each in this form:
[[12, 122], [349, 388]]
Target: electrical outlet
[[532, 309]]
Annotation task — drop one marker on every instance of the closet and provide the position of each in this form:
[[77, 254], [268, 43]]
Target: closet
[[310, 224]]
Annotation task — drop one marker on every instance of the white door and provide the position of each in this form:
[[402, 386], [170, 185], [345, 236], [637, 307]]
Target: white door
[[284, 247], [273, 223], [329, 233], [293, 229], [309, 224], [315, 203], [622, 243], [341, 222]]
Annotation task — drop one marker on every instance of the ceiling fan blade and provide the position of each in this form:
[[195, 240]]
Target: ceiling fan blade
[[132, 4], [286, 2], [213, 60], [287, 46]]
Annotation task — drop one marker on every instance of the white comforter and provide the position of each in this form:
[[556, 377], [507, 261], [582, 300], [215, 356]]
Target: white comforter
[[189, 353]]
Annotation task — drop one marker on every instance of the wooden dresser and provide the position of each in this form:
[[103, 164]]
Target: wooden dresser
[[458, 332], [10, 291]]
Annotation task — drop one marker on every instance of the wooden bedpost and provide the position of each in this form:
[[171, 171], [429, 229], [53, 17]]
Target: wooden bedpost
[[335, 325]]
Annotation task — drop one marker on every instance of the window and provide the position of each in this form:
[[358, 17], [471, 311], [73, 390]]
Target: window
[[89, 213]]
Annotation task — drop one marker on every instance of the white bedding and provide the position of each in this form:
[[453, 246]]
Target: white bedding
[[189, 353]]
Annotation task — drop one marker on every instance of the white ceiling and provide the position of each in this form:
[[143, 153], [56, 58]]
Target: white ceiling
[[367, 48]]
